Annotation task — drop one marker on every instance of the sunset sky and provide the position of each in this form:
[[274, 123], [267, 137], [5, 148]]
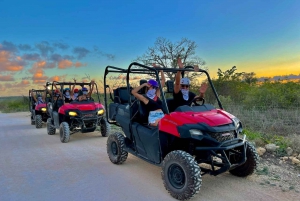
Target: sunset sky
[[58, 40]]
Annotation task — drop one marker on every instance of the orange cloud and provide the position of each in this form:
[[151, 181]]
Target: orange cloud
[[41, 64], [25, 82], [9, 62], [79, 64], [54, 78], [65, 64], [6, 78]]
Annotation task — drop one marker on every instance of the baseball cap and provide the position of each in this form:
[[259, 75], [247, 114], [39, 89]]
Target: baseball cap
[[185, 81], [153, 83]]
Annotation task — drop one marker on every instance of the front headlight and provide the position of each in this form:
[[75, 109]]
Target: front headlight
[[236, 122], [100, 112], [43, 109], [195, 132], [72, 114]]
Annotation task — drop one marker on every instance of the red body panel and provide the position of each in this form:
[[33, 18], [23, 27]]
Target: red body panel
[[39, 106], [82, 107], [212, 118]]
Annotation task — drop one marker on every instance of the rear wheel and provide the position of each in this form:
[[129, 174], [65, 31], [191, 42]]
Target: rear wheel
[[104, 127], [181, 175], [250, 165], [50, 129], [38, 121], [64, 132], [115, 148]]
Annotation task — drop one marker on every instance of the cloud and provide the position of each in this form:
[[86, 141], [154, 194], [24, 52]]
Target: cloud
[[24, 47], [57, 78], [79, 64], [6, 78], [101, 53], [81, 52], [31, 57], [8, 46], [65, 64], [9, 62], [44, 47], [56, 57], [62, 46]]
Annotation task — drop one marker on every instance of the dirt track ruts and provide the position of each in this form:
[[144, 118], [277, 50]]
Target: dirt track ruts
[[36, 166]]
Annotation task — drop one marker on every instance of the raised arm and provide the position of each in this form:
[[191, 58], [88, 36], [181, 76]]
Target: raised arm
[[139, 96], [73, 87], [177, 77], [91, 88], [61, 95], [33, 95], [162, 81]]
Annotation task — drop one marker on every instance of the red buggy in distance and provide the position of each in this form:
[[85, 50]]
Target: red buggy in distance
[[38, 111], [76, 116], [189, 135]]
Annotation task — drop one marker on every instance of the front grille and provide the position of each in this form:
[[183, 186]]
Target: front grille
[[88, 114], [222, 136]]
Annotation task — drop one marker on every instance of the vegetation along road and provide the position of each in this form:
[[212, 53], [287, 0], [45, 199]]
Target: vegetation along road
[[36, 166]]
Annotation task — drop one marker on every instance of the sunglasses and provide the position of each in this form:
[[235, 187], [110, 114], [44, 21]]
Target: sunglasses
[[184, 86]]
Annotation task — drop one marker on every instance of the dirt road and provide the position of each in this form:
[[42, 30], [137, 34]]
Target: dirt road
[[36, 166]]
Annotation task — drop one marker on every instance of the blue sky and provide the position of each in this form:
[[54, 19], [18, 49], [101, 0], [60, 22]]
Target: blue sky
[[259, 36]]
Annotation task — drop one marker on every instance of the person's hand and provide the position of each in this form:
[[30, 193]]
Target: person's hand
[[179, 62], [196, 68], [146, 84], [156, 66], [203, 88], [74, 80]]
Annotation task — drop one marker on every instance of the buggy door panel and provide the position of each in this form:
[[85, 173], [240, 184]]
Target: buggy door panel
[[56, 119], [148, 137]]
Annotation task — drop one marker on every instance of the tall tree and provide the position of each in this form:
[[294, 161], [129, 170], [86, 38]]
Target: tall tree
[[165, 53]]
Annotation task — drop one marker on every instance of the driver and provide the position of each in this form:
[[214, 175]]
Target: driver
[[181, 94], [86, 94]]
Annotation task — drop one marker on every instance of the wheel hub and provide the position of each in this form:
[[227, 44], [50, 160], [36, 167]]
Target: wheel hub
[[176, 176], [114, 148]]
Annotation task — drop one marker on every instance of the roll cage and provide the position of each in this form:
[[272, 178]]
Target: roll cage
[[143, 69], [63, 84]]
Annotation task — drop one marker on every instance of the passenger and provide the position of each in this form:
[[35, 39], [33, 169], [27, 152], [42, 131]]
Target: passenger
[[85, 93], [67, 96], [181, 94], [152, 101], [39, 99], [74, 92]]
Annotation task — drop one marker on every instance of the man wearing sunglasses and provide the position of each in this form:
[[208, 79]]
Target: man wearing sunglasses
[[181, 94]]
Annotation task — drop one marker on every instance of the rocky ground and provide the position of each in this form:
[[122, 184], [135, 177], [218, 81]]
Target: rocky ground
[[279, 173]]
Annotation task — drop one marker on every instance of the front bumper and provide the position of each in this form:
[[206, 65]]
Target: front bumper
[[232, 153]]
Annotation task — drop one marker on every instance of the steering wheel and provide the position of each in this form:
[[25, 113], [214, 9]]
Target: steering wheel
[[197, 101]]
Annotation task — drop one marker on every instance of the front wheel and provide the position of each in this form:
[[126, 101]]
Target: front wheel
[[50, 128], [64, 132], [38, 121], [250, 165], [181, 175], [115, 148], [104, 127]]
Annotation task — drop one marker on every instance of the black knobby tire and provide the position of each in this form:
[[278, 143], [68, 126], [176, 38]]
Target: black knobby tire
[[181, 175], [64, 132], [32, 118], [115, 148], [38, 121], [250, 165], [104, 127], [50, 128]]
